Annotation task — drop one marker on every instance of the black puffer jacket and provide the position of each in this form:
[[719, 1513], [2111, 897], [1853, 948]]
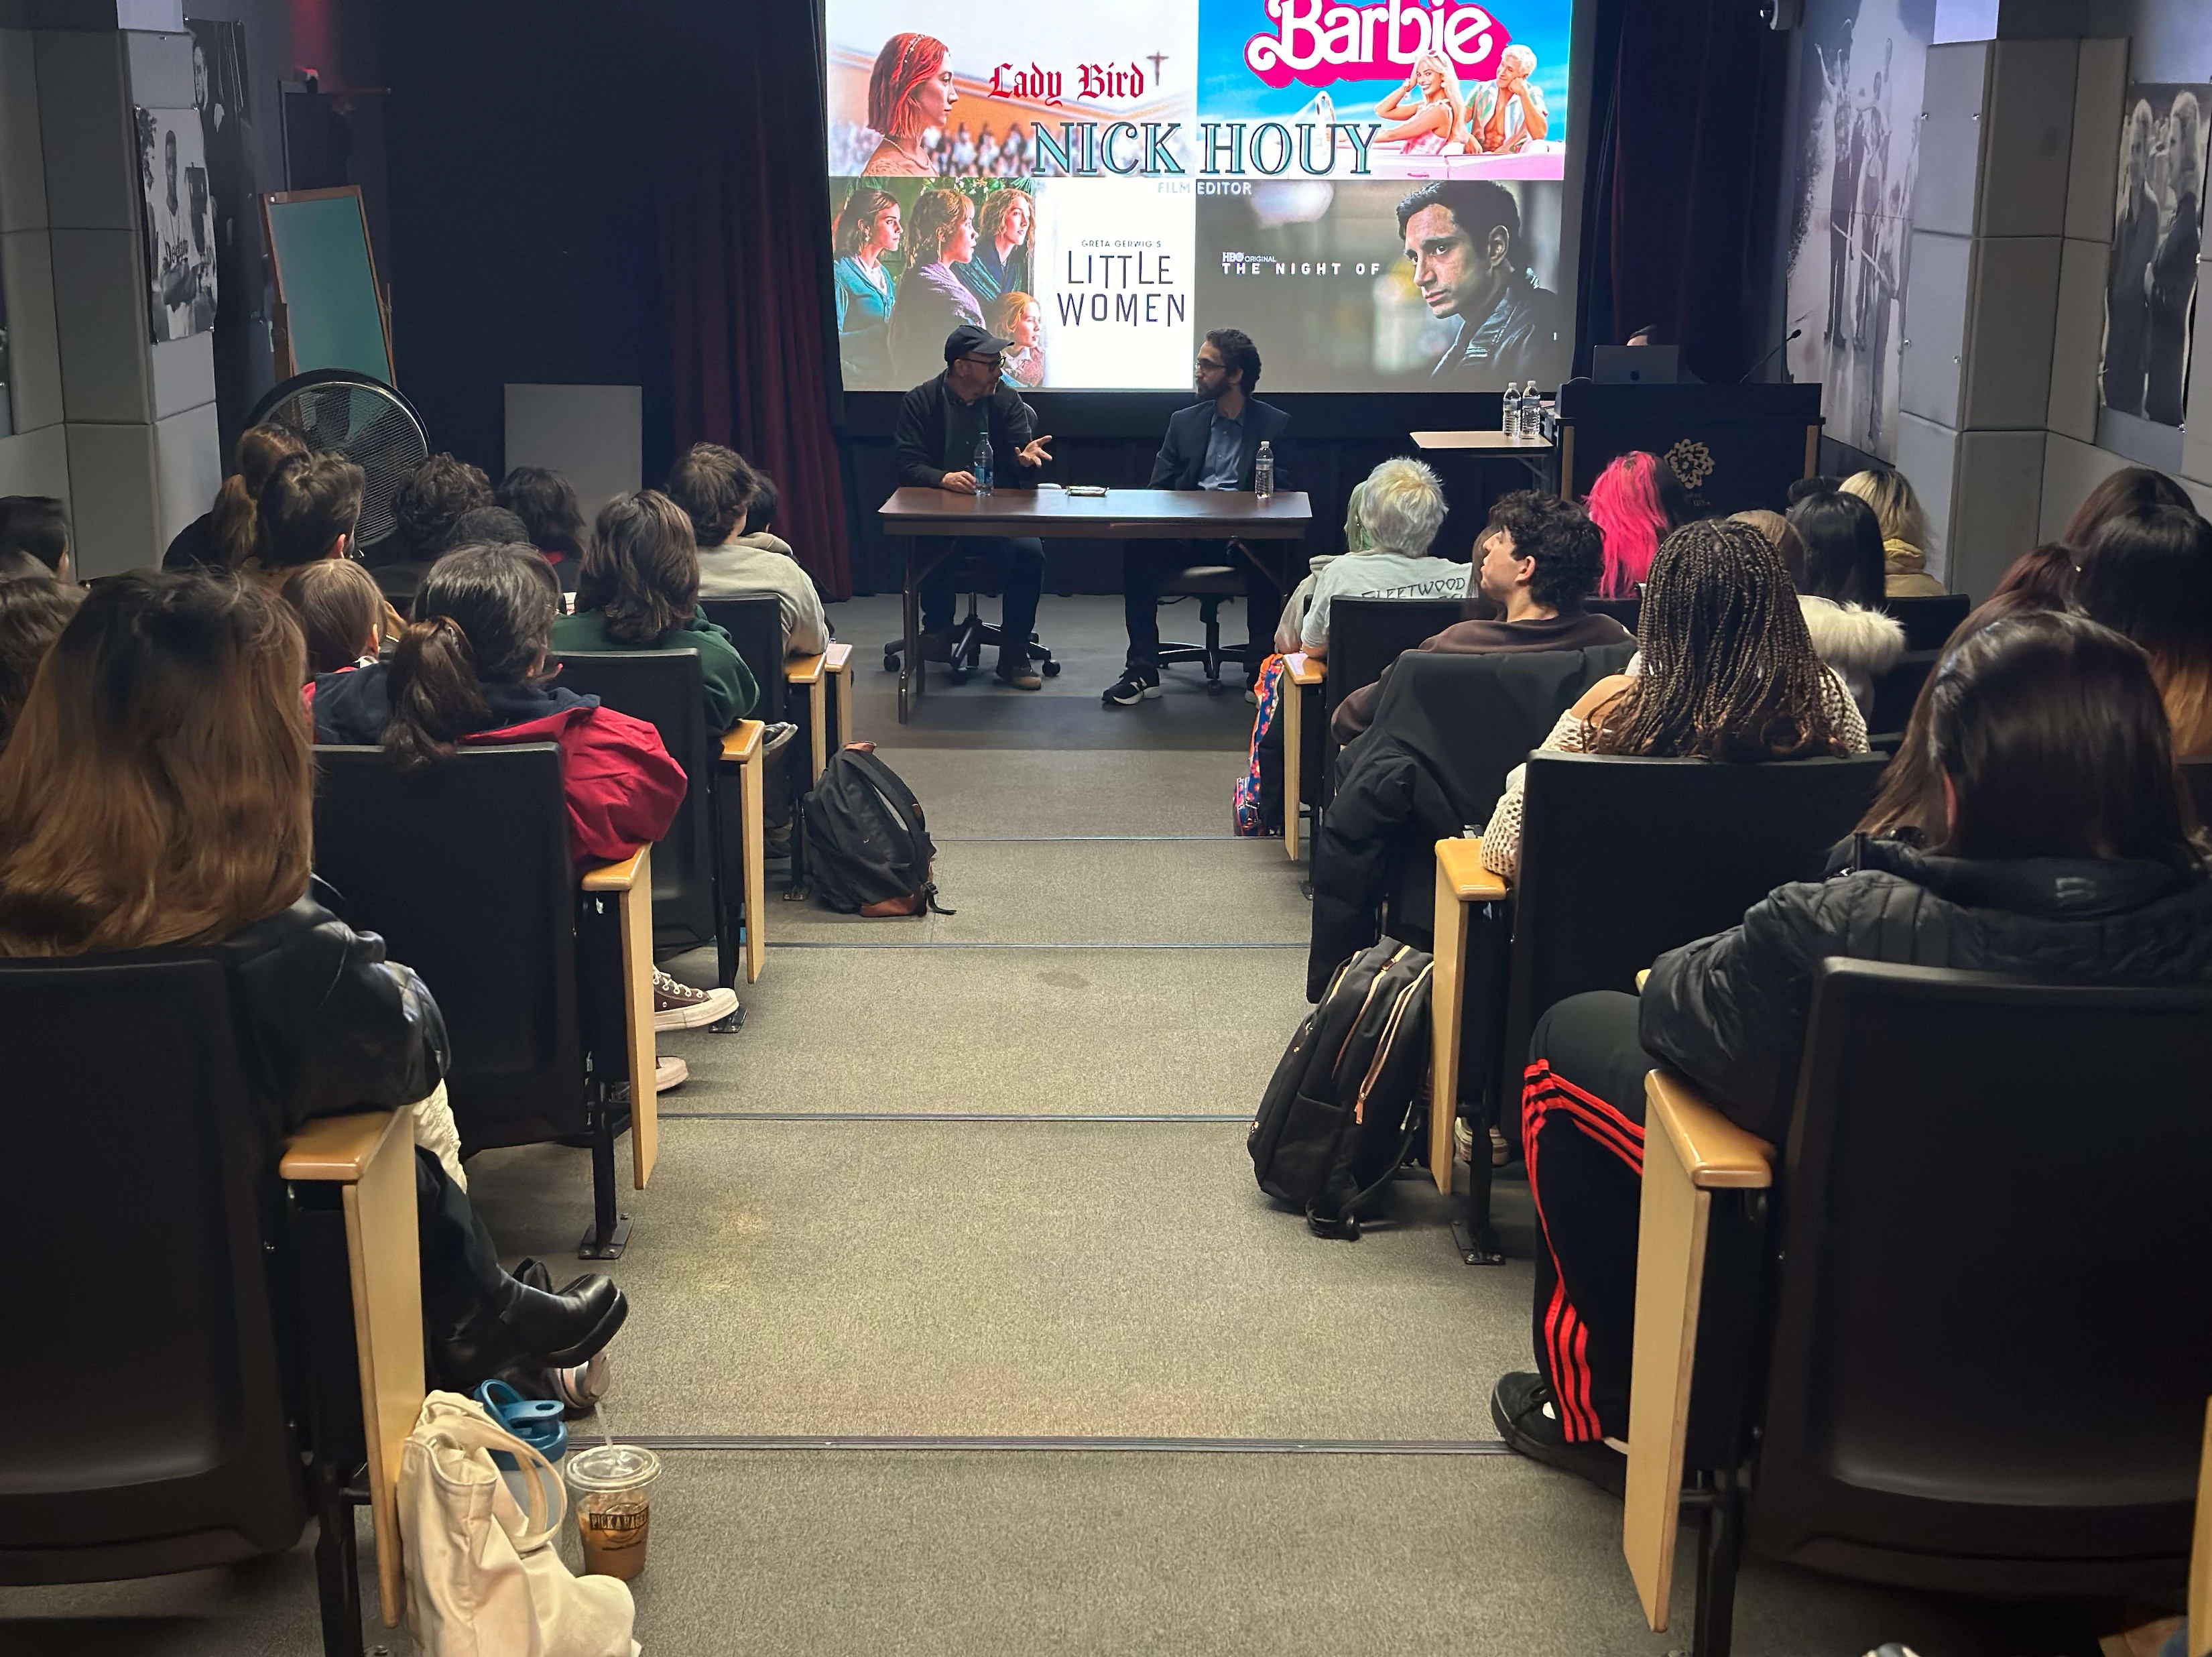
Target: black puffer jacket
[[335, 1026], [1730, 1011]]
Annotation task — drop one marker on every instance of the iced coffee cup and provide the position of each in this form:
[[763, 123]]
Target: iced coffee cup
[[612, 1487]]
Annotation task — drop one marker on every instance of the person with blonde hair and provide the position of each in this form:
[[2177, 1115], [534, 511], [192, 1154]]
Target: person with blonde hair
[[1903, 523], [158, 794], [1426, 108], [1506, 115], [1019, 319], [1402, 508], [1006, 239]]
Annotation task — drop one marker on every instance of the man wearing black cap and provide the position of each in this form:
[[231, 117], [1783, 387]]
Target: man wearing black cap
[[939, 425]]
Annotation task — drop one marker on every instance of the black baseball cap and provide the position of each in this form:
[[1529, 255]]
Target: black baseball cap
[[969, 340]]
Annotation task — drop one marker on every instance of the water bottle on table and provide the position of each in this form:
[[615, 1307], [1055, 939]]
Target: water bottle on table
[[1263, 471], [982, 464], [1511, 426], [1532, 411]]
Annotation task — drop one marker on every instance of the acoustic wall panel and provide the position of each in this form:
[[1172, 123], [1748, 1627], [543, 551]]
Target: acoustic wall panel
[[2101, 85], [84, 114], [2196, 432], [187, 472], [2078, 340], [23, 159], [99, 309], [2026, 148], [34, 359], [1996, 496], [183, 376], [160, 70], [1928, 454], [2012, 312], [35, 463], [1935, 327], [116, 521], [1949, 179]]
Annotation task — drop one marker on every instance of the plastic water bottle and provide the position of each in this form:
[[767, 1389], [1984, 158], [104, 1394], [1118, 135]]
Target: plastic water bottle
[[982, 466], [1263, 471], [1512, 425], [1532, 411]]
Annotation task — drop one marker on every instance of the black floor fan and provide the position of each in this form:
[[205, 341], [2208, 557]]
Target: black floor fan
[[362, 418]]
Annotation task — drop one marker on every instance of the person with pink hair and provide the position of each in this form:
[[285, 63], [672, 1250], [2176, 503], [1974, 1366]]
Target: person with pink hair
[[909, 93], [1632, 502]]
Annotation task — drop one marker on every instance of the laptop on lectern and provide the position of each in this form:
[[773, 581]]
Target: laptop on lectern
[[1636, 365]]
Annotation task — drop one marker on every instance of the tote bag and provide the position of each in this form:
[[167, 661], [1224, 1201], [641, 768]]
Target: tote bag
[[484, 1578]]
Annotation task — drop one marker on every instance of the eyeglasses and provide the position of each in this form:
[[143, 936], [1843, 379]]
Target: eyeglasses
[[984, 361], [1205, 365]]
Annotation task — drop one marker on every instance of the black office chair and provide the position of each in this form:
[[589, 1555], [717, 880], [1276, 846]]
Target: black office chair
[[691, 891], [1212, 585], [465, 868], [1622, 860], [971, 635], [1981, 1308], [1626, 611], [181, 1343], [1929, 618]]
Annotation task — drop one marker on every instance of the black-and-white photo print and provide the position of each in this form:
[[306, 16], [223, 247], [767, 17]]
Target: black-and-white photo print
[[2157, 227], [181, 239]]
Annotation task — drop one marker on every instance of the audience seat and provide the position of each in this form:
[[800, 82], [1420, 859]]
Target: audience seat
[[1968, 1350], [1626, 611], [1929, 618], [1620, 860], [1894, 694], [2197, 779], [197, 1367], [545, 979]]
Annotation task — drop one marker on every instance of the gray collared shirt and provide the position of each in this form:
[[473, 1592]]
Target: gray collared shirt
[[1225, 453]]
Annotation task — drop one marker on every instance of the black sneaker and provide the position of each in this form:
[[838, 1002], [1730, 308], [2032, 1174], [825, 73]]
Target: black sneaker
[[1521, 1405], [1131, 689]]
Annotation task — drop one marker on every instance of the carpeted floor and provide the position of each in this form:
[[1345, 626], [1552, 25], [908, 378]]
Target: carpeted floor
[[917, 1198]]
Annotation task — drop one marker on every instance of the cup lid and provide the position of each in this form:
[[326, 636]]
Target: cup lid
[[612, 1467]]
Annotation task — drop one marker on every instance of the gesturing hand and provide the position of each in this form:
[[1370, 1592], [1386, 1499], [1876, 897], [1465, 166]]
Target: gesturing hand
[[1034, 453], [959, 482]]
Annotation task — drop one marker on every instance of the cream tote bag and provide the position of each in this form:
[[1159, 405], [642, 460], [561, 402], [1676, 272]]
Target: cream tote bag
[[484, 1578]]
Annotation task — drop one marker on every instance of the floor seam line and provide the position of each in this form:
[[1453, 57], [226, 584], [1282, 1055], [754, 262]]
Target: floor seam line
[[1065, 1444]]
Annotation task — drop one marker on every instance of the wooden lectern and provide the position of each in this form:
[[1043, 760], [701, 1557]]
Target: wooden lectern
[[1739, 446]]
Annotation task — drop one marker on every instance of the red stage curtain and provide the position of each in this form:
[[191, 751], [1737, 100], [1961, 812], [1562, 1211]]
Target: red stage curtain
[[744, 268]]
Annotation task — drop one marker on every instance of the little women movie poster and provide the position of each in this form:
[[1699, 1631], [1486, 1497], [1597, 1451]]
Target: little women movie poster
[[1374, 193]]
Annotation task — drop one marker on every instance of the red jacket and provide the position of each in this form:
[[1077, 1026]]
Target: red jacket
[[623, 787]]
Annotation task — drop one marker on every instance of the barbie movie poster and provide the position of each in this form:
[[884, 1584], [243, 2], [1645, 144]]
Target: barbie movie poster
[[1100, 186], [1860, 70]]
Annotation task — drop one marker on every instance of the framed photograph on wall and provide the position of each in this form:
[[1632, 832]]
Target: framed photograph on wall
[[2158, 223], [179, 210]]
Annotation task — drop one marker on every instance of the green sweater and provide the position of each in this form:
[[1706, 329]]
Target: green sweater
[[731, 692]]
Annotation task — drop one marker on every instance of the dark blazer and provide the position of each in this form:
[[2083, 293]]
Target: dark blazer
[[918, 436], [1182, 459]]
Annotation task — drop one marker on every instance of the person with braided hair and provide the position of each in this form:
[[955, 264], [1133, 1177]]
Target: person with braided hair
[[1724, 670]]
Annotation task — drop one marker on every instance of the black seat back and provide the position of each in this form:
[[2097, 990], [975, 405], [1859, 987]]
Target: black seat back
[[1623, 858], [1626, 611], [1930, 618], [1365, 635], [663, 688], [756, 628], [2197, 779], [1898, 689], [465, 869], [142, 1351], [1993, 1335]]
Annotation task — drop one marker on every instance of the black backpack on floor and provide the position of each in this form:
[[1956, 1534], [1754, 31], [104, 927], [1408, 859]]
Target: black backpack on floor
[[868, 851], [1347, 1101]]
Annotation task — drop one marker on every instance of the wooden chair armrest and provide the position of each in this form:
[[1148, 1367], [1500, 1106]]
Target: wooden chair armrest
[[615, 876], [1303, 669], [1642, 973], [373, 1157], [741, 743], [838, 658], [1460, 862], [1716, 1154], [802, 670], [2200, 1556]]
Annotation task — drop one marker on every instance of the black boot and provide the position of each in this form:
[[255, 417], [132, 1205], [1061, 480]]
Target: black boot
[[479, 1320]]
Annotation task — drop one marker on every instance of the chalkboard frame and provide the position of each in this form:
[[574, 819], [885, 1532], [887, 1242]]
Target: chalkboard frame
[[288, 364]]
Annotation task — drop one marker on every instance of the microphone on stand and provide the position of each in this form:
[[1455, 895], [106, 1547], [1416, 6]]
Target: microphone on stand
[[1794, 334]]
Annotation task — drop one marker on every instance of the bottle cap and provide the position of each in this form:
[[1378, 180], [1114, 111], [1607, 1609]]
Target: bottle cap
[[612, 1467]]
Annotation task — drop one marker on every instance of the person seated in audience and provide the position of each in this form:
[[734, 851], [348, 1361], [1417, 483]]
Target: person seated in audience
[[552, 517], [940, 423], [1897, 509], [1403, 508], [2149, 573], [1637, 502], [1842, 591], [2065, 855], [1726, 672], [33, 610], [1290, 627], [640, 590], [2129, 489], [308, 510], [427, 505], [470, 670], [223, 538], [341, 611], [2043, 576], [34, 538], [1783, 539], [495, 527], [720, 495], [158, 796], [1541, 557]]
